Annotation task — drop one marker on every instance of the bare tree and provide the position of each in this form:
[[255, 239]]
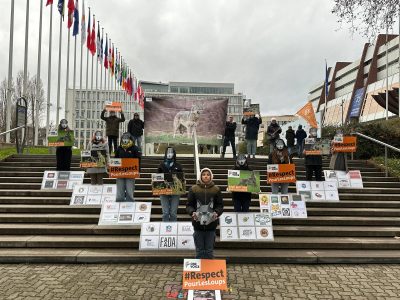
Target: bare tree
[[367, 17]]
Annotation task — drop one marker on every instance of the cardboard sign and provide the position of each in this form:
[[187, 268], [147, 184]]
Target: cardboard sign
[[125, 213], [93, 159], [348, 145], [86, 194], [124, 168], [168, 184], [61, 179], [244, 181], [283, 173], [283, 206], [351, 179], [113, 106], [314, 146], [204, 274], [61, 138], [318, 190]]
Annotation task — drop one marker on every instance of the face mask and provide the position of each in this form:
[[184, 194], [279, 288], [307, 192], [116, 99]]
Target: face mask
[[241, 162], [279, 146], [112, 114], [125, 141], [170, 153], [98, 137], [64, 124]]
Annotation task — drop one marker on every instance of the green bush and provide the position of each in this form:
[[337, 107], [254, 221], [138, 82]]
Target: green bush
[[387, 131]]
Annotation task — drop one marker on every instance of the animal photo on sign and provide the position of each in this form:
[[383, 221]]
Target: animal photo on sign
[[171, 184]]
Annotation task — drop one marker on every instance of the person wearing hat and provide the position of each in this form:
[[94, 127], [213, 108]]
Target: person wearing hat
[[205, 193], [280, 155], [63, 153], [135, 128], [112, 128], [273, 132], [313, 163]]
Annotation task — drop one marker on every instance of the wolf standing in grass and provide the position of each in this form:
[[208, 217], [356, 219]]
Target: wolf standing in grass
[[205, 195]]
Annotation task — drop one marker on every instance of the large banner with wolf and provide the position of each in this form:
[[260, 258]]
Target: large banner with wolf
[[174, 120]]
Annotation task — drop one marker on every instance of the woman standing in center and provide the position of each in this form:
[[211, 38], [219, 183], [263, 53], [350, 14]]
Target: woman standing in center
[[98, 143], [241, 200], [205, 192]]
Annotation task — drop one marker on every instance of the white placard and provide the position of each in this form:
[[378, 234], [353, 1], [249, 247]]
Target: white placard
[[317, 195], [228, 219], [125, 212], [264, 233], [245, 219], [247, 233], [62, 180], [150, 228], [93, 200], [185, 228], [186, 242], [303, 185], [169, 228], [228, 233], [149, 242], [317, 185]]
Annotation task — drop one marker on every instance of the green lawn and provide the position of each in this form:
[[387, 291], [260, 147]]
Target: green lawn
[[393, 164], [31, 150]]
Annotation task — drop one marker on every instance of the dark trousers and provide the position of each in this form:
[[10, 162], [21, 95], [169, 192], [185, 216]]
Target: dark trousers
[[204, 242], [227, 141], [96, 178], [112, 139], [241, 204], [316, 169], [64, 156]]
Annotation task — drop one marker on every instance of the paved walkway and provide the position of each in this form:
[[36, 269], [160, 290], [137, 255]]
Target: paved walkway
[[153, 281]]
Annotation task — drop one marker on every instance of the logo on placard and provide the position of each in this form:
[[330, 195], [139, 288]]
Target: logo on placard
[[192, 265], [184, 242], [228, 220], [247, 232], [150, 243], [168, 228], [263, 219], [245, 219], [264, 232], [187, 228], [150, 228], [143, 207]]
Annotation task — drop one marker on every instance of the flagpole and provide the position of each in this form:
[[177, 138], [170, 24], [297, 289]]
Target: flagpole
[[73, 84], [25, 85], [92, 97], [38, 76], [59, 73], [80, 102], [325, 88], [67, 75], [49, 74], [97, 75], [10, 66], [87, 87]]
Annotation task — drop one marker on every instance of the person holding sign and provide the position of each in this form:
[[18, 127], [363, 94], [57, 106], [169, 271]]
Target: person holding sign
[[339, 159], [252, 127], [241, 200], [112, 128], [126, 186], [313, 163], [98, 144], [169, 203], [135, 128], [273, 132], [205, 205], [63, 153], [280, 155]]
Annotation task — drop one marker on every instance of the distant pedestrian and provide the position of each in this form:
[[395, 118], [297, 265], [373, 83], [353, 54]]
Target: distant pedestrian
[[290, 136], [135, 128], [273, 133], [300, 136], [229, 137]]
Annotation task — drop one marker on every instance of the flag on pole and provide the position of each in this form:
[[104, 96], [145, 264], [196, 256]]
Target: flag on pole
[[106, 54], [83, 24], [71, 8], [60, 7], [76, 19], [89, 38], [93, 38], [101, 47], [307, 113], [49, 2], [112, 61], [109, 56], [98, 42], [326, 80]]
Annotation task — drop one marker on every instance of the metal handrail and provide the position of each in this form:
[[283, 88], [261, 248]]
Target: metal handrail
[[11, 130], [380, 143]]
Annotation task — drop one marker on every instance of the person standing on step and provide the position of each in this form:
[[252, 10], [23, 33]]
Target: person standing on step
[[98, 143], [280, 155], [290, 136], [229, 137], [112, 128], [313, 163], [338, 160], [273, 132], [252, 127], [205, 193], [241, 200], [300, 136], [63, 153], [169, 203], [135, 128], [126, 186]]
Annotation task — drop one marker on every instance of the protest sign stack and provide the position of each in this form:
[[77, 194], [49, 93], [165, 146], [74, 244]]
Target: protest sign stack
[[124, 213], [318, 190], [53, 180], [166, 236], [86, 194], [244, 181], [283, 206], [168, 184], [351, 179], [246, 226]]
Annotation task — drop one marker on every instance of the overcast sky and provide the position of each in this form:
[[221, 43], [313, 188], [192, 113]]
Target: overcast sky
[[273, 51]]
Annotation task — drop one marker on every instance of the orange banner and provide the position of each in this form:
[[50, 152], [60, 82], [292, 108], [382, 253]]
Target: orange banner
[[349, 145], [286, 173], [124, 168], [307, 112], [204, 274], [114, 106]]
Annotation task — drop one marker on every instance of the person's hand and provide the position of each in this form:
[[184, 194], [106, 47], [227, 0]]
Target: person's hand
[[227, 188], [194, 216], [215, 216]]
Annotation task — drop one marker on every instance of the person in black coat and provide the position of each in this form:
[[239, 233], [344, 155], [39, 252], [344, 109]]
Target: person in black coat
[[300, 136], [241, 200], [290, 136], [169, 203], [252, 127], [63, 153], [313, 163], [135, 128], [229, 136], [273, 132]]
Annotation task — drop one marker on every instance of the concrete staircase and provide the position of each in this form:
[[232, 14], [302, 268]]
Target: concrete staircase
[[40, 226]]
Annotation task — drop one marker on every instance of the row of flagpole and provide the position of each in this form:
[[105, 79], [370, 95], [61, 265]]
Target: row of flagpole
[[116, 71]]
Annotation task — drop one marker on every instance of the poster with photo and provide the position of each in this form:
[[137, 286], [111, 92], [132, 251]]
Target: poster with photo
[[283, 206], [319, 191], [62, 180], [93, 194], [168, 184], [124, 213], [61, 138], [204, 295], [93, 159], [314, 146], [350, 179], [244, 181]]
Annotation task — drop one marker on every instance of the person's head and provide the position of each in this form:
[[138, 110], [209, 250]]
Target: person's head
[[339, 131], [170, 153], [230, 118], [136, 116], [206, 176], [300, 127], [126, 140], [63, 123], [273, 120], [112, 114], [313, 132], [290, 128], [98, 136], [241, 160], [279, 144]]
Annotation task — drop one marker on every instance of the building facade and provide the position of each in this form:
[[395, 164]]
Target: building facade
[[357, 90]]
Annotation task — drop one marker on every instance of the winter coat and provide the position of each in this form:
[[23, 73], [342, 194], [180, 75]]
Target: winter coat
[[252, 126], [312, 160], [338, 162], [273, 132], [290, 135], [172, 167], [98, 147], [112, 123], [230, 128], [205, 193], [300, 135], [276, 155], [135, 127]]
